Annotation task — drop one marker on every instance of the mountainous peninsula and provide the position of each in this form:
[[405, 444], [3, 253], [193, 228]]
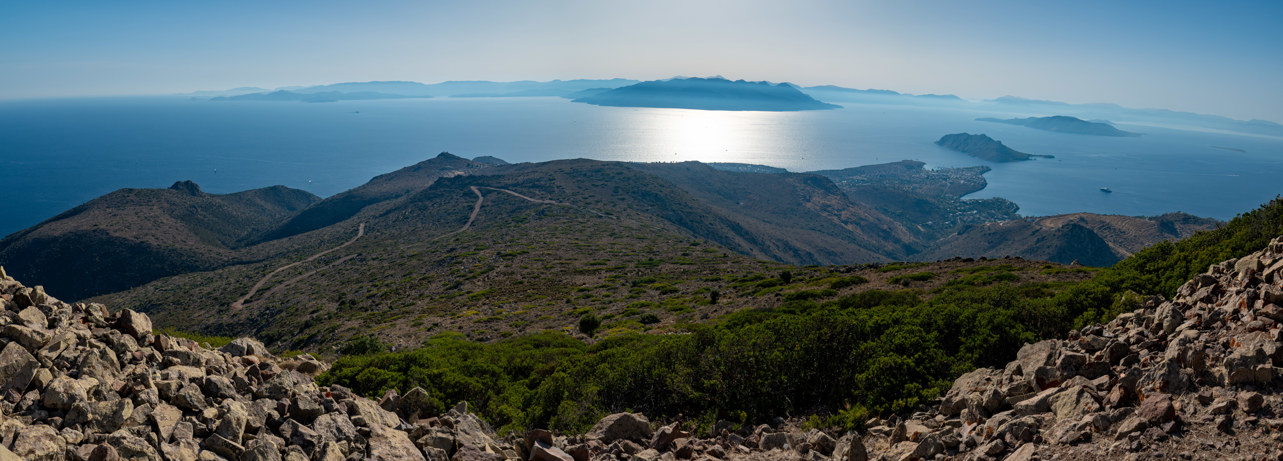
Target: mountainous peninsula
[[352, 91], [983, 147], [324, 96], [708, 94], [1064, 124]]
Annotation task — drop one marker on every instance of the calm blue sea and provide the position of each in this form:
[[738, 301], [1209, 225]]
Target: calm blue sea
[[56, 154]]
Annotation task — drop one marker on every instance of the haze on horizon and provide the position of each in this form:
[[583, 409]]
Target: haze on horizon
[[1217, 58]]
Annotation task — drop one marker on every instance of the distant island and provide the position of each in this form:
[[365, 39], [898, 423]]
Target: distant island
[[1064, 124], [983, 147], [354, 91], [707, 94], [327, 96]]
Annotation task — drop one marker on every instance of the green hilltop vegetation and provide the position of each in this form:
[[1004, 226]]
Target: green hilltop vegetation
[[548, 294], [492, 250], [841, 358]]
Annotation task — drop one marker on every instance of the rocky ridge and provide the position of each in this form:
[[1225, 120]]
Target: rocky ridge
[[1196, 377], [1190, 378]]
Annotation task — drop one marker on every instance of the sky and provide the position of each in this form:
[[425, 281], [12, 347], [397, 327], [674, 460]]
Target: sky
[[1222, 57]]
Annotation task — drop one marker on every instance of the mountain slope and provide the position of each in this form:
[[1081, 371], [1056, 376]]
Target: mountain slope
[[1089, 239], [133, 236], [345, 204], [486, 248], [1166, 381], [793, 218], [1065, 124]]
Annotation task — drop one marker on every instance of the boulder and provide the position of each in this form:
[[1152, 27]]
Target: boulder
[[622, 426], [298, 434], [1156, 409], [165, 417], [13, 359], [774, 441], [417, 403], [63, 392], [336, 427], [38, 443], [1073, 404], [245, 346], [392, 445], [31, 317], [544, 452], [134, 323]]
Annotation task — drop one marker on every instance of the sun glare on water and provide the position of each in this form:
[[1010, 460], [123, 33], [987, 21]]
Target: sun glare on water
[[712, 136]]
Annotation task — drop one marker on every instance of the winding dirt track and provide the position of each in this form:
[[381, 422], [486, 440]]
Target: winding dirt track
[[240, 303], [476, 210]]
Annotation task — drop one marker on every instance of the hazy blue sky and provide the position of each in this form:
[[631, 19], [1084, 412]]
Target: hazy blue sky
[[1218, 57]]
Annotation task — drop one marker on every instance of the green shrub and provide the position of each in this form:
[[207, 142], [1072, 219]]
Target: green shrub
[[588, 324], [870, 353], [915, 277], [213, 341], [363, 345], [846, 282]]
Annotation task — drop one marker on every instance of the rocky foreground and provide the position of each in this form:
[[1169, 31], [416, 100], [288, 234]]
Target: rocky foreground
[[1191, 378]]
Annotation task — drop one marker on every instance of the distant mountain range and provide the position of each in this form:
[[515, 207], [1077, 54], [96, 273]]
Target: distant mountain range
[[707, 94], [401, 90], [588, 88], [1064, 124], [327, 96], [983, 147]]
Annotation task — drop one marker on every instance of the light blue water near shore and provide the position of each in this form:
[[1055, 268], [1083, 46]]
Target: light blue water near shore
[[56, 154]]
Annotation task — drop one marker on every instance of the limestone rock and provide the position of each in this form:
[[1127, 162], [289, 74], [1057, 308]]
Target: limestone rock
[[621, 426]]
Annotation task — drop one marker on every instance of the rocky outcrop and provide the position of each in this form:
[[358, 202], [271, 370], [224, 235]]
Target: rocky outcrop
[[81, 383], [1197, 377]]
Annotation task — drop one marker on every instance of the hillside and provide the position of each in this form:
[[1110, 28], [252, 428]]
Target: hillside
[[1086, 238], [983, 147], [1202, 376], [707, 94], [1065, 124], [967, 358], [927, 202], [491, 250], [582, 233], [133, 236], [344, 205], [1166, 380]]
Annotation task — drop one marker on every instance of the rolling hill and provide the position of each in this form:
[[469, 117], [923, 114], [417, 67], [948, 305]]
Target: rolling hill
[[490, 249], [133, 236]]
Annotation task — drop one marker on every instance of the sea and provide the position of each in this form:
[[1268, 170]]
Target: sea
[[56, 154]]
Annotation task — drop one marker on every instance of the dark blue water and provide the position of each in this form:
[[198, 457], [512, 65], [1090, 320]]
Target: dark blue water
[[56, 154]]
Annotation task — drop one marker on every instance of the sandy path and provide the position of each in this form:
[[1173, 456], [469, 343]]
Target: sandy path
[[240, 303], [476, 210]]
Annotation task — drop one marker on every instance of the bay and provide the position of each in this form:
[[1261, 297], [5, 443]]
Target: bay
[[57, 154]]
